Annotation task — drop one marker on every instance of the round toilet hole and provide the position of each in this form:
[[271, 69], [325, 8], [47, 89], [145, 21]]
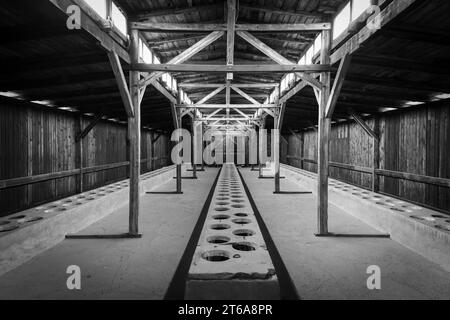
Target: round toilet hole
[[9, 227], [241, 214], [446, 228], [218, 239], [244, 246], [222, 203], [221, 217], [242, 221], [244, 232], [237, 201], [216, 255], [223, 198], [238, 206], [220, 226], [220, 209], [17, 218]]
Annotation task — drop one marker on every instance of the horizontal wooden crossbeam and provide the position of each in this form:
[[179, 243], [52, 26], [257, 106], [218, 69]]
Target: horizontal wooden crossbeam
[[313, 68], [227, 106], [235, 85], [205, 27]]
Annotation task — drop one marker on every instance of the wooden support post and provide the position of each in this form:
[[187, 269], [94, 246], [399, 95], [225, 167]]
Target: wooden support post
[[194, 149], [79, 157], [302, 150], [260, 151], [202, 144], [323, 139], [276, 156], [178, 124], [231, 26], [134, 128], [128, 150], [30, 157], [376, 156]]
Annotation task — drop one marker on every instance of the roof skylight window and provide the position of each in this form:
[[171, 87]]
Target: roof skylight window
[[341, 21], [119, 19], [358, 8], [99, 6]]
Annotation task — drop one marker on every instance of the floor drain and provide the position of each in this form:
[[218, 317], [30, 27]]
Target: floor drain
[[244, 246], [242, 221], [218, 239], [216, 256], [220, 226], [221, 217], [243, 232]]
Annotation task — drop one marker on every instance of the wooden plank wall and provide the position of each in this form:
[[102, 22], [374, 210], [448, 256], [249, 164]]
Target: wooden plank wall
[[38, 140], [416, 141]]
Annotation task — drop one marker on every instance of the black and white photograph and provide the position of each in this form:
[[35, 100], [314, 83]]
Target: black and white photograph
[[224, 158]]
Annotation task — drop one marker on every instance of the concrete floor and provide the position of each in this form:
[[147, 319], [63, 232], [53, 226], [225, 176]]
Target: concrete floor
[[118, 269], [335, 268], [321, 268]]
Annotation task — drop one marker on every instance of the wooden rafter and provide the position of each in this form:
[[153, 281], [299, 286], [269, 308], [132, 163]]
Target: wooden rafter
[[277, 57], [211, 95], [245, 95], [185, 55], [386, 16]]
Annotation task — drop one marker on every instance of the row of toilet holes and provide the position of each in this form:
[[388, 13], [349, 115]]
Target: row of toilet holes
[[226, 187]]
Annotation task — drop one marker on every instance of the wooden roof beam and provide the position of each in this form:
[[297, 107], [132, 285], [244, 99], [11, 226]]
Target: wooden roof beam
[[292, 68], [185, 55], [94, 27], [393, 10], [277, 57], [205, 27]]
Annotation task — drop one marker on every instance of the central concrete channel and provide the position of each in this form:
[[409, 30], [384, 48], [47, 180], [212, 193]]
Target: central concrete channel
[[231, 260]]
